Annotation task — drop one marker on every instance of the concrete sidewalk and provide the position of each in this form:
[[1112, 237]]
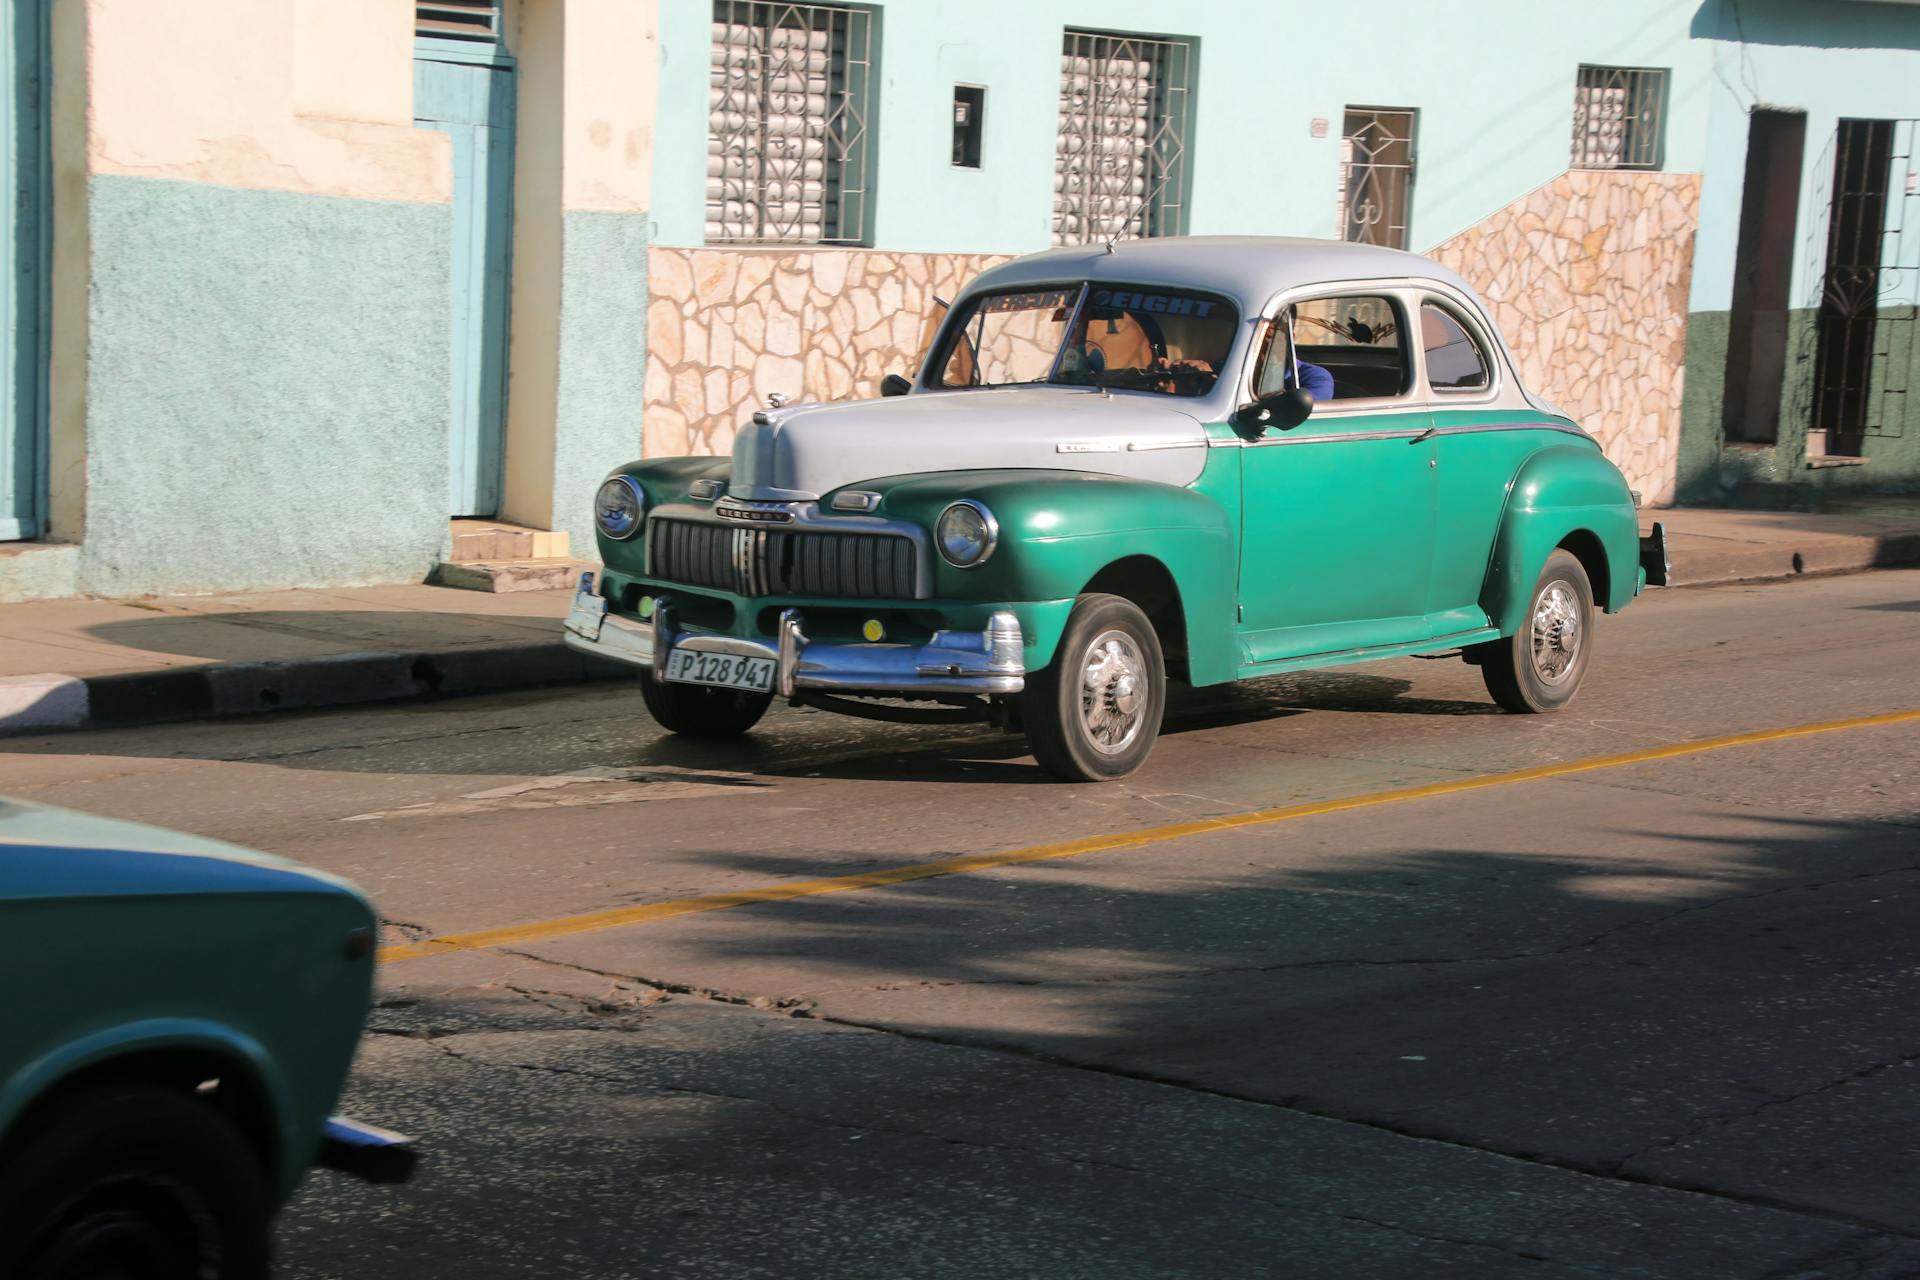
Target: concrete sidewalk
[[98, 663], [101, 663]]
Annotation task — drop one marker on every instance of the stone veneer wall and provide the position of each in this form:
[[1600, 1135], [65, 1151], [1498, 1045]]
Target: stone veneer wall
[[1587, 277], [727, 327]]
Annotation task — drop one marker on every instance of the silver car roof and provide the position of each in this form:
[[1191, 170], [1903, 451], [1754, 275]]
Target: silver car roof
[[1248, 269]]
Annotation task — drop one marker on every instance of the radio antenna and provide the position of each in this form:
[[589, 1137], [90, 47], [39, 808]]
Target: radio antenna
[[1127, 222]]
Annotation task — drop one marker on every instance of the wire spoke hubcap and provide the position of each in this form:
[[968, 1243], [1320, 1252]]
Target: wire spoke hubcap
[[1556, 633], [1113, 692]]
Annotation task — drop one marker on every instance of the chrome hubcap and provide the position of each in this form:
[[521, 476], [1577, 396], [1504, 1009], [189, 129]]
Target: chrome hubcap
[[1556, 632], [1113, 692]]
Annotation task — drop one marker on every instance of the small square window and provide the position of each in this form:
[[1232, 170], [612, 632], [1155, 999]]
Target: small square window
[[1617, 117], [969, 120]]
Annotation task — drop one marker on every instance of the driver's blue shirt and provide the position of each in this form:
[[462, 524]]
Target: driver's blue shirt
[[1317, 381]]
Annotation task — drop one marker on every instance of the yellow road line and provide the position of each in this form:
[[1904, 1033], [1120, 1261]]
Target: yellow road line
[[542, 930]]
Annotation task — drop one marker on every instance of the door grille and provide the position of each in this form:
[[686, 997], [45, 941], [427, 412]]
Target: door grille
[[783, 562]]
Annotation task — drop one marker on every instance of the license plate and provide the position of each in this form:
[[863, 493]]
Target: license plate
[[726, 670]]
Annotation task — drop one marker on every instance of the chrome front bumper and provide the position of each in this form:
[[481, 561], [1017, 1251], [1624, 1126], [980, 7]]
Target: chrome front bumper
[[987, 661]]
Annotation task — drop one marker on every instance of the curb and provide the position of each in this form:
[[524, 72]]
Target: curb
[[46, 703], [1816, 556]]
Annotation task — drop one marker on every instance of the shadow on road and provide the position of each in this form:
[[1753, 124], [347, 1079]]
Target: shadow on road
[[611, 728], [1712, 1001]]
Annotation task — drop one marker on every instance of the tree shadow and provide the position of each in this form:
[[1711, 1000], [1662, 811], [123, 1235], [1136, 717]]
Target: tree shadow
[[1704, 999], [1677, 999]]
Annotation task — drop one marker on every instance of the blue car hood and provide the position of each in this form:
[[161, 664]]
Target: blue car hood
[[47, 852]]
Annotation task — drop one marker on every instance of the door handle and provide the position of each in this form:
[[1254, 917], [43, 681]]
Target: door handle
[[1428, 434]]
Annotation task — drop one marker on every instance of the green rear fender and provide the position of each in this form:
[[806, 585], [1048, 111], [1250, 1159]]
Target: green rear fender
[[1060, 529], [1569, 496]]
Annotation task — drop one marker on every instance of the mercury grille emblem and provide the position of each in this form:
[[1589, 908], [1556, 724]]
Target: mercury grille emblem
[[755, 512]]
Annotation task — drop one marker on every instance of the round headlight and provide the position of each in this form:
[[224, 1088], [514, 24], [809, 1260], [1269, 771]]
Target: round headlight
[[617, 508], [966, 533]]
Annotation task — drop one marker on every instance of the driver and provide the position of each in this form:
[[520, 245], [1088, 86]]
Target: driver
[[1084, 363]]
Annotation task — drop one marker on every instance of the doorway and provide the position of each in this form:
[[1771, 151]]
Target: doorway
[[469, 95], [1854, 377], [1762, 277]]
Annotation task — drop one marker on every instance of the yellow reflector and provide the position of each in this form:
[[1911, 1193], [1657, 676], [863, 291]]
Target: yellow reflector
[[873, 631]]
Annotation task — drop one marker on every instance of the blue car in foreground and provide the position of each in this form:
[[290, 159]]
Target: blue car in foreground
[[180, 1015]]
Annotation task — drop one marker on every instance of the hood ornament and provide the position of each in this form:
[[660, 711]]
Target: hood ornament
[[777, 399]]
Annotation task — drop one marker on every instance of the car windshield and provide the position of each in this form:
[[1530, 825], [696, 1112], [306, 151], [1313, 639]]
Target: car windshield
[[1125, 337]]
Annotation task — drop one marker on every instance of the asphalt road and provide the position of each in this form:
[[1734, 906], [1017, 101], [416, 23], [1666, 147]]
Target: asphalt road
[[1652, 1019]]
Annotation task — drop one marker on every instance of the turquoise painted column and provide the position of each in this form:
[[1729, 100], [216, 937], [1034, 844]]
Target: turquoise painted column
[[23, 259]]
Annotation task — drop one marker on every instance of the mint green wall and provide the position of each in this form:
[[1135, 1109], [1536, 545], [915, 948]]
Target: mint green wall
[[1493, 83], [603, 360], [1832, 60], [266, 389]]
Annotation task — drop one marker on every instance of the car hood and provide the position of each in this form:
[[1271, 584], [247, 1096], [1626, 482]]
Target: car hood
[[47, 852], [804, 452]]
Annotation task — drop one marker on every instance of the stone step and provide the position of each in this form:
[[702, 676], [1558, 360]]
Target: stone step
[[548, 573], [480, 541]]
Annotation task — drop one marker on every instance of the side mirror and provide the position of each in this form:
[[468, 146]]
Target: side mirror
[[894, 385], [1285, 410]]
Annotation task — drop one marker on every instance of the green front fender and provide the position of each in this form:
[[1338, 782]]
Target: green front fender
[[1060, 529], [1563, 496]]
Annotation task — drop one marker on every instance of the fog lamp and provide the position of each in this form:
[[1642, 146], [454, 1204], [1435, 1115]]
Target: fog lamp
[[873, 631]]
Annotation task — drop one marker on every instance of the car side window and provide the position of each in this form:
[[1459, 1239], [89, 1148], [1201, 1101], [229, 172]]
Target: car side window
[[1358, 340], [1454, 360]]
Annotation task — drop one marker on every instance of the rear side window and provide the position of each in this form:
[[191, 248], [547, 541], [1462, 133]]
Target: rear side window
[[1360, 342], [1454, 360]]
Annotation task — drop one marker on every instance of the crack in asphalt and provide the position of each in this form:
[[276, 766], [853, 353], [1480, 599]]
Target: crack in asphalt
[[1611, 1172], [1701, 1124]]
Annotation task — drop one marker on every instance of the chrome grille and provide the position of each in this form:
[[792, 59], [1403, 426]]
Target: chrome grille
[[782, 562]]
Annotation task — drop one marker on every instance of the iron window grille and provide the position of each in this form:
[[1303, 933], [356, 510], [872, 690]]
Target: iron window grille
[[1120, 163], [1617, 114], [457, 20], [787, 123], [1375, 190]]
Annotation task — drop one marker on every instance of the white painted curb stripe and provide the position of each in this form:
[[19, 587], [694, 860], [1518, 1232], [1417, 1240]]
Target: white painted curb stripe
[[42, 702]]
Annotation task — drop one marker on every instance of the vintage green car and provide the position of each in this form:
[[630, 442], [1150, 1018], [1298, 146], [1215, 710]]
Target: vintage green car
[[179, 1017], [1203, 459]]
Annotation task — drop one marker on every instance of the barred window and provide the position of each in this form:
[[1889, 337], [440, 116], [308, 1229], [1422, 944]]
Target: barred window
[[1374, 194], [457, 20], [1617, 116], [787, 131], [1120, 165]]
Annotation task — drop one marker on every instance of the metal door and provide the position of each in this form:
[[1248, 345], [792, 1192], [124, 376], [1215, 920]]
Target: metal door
[[1868, 337], [22, 273], [473, 104]]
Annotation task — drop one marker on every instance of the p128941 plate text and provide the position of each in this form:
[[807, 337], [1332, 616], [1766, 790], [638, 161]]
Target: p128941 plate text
[[726, 670]]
